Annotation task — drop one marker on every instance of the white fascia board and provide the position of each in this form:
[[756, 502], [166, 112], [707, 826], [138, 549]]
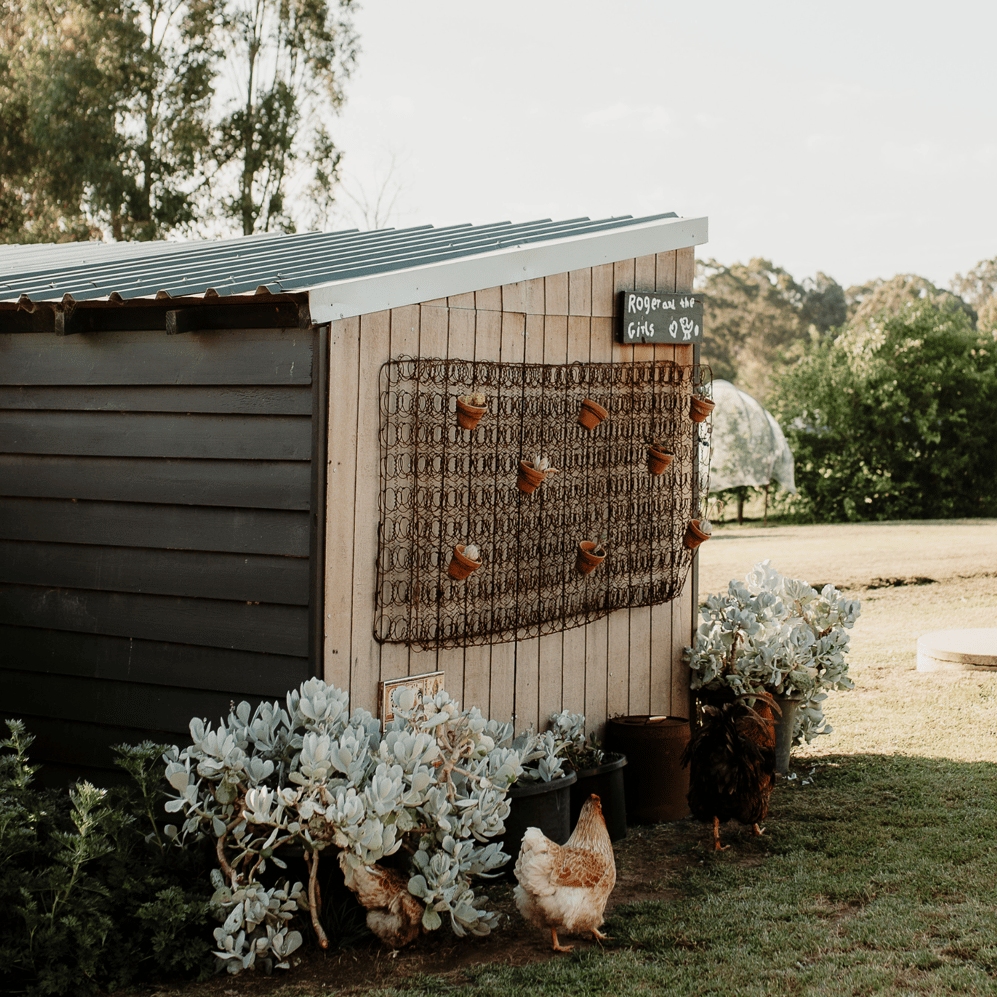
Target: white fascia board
[[377, 292]]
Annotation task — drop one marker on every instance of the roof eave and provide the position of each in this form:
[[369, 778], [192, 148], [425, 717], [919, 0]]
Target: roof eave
[[377, 292]]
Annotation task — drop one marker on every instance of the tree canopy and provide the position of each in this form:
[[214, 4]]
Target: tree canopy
[[132, 119], [893, 418]]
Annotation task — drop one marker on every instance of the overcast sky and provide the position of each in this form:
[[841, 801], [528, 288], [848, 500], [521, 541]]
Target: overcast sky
[[858, 138]]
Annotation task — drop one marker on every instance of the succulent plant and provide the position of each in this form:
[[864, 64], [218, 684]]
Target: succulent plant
[[477, 399], [569, 729], [309, 773], [779, 635], [472, 553]]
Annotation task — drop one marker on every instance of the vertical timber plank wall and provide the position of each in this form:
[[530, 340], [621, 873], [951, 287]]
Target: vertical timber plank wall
[[155, 537], [626, 663]]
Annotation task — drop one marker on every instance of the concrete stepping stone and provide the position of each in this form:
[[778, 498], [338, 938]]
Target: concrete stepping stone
[[958, 650]]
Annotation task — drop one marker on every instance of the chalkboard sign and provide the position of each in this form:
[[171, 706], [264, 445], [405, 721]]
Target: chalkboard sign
[[651, 317]]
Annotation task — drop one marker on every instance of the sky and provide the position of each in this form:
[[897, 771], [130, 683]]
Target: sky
[[858, 139]]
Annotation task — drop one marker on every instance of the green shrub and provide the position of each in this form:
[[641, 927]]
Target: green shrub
[[93, 896], [894, 420]]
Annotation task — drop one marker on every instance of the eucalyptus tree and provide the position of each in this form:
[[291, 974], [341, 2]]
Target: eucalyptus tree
[[979, 288], [287, 64], [106, 114], [754, 316]]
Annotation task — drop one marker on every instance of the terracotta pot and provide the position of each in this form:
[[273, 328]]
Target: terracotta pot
[[468, 415], [461, 566], [694, 536], [529, 477], [587, 559], [658, 459], [701, 408], [591, 414]]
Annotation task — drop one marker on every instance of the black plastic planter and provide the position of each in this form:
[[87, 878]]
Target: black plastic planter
[[606, 781]]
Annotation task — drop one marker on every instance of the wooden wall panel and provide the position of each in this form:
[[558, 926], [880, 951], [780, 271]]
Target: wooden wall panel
[[273, 484], [365, 658], [246, 626], [459, 326], [249, 357], [396, 659], [230, 530], [192, 573], [228, 399], [341, 508], [627, 662], [156, 526], [550, 690], [481, 333], [151, 434], [181, 666], [661, 662]]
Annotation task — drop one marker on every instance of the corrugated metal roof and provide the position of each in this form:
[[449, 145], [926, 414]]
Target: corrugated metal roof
[[275, 263]]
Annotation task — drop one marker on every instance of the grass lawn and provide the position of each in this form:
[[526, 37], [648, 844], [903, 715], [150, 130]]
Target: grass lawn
[[876, 873]]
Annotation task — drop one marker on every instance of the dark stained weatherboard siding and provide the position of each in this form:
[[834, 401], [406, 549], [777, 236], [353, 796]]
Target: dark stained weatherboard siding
[[158, 530]]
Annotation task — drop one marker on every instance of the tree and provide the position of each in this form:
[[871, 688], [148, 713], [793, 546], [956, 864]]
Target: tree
[[893, 419], [112, 124], [979, 288], [753, 317], [108, 116], [824, 306], [289, 60], [879, 297]]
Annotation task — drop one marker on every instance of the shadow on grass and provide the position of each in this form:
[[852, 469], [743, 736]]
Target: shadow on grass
[[875, 876]]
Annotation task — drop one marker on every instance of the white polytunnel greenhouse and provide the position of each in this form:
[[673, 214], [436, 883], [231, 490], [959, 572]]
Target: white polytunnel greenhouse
[[748, 447]]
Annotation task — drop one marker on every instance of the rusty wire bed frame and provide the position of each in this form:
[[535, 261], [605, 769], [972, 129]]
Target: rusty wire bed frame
[[441, 485]]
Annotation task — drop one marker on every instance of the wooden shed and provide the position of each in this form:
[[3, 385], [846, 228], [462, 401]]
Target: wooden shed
[[227, 466]]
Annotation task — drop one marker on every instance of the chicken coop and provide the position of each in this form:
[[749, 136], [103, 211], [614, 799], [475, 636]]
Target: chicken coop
[[230, 465]]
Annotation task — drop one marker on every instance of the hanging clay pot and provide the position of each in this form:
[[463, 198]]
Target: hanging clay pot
[[529, 477], [591, 413], [461, 566], [587, 559], [658, 458], [698, 531], [468, 414], [700, 408]]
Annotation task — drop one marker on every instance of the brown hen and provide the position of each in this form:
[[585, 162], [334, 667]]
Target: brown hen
[[731, 759], [565, 887]]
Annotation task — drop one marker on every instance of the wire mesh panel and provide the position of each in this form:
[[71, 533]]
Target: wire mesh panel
[[442, 485]]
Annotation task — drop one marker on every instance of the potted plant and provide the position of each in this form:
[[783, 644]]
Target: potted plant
[[591, 553], [777, 635], [591, 413], [598, 771], [463, 561], [541, 795], [658, 456], [701, 405], [470, 408], [533, 472], [697, 531]]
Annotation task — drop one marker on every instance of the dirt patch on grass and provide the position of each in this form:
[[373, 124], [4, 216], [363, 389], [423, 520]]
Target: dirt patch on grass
[[648, 860]]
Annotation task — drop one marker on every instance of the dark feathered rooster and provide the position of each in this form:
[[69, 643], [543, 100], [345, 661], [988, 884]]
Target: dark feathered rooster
[[731, 759]]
